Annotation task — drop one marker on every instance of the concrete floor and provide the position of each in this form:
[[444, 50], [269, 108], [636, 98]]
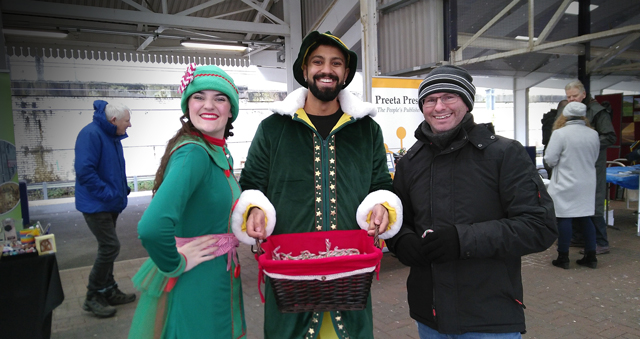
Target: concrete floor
[[576, 303]]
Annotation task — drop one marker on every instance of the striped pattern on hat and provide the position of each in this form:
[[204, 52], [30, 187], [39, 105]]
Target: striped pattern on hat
[[448, 79]]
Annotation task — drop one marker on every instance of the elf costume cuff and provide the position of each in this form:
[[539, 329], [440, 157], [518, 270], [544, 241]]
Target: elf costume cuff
[[249, 199], [391, 202]]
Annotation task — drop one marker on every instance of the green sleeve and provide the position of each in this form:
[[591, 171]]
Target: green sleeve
[[255, 174], [380, 178], [184, 173]]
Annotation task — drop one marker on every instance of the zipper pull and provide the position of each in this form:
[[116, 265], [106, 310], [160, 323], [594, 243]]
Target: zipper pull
[[521, 304]]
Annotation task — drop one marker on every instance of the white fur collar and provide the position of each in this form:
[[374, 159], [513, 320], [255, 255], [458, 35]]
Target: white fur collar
[[349, 103]]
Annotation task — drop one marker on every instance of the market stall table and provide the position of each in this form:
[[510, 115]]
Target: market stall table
[[30, 289], [627, 177]]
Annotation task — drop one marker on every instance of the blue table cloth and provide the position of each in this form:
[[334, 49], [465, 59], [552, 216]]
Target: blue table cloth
[[626, 177]]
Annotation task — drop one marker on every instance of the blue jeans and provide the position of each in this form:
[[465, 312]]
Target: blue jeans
[[103, 227], [426, 332]]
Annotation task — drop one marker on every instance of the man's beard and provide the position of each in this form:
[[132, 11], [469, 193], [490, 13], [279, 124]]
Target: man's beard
[[327, 94]]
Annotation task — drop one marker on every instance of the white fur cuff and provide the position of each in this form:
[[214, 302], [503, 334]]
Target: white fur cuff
[[380, 197], [238, 222]]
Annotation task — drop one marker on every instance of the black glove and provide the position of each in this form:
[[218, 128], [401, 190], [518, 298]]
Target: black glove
[[633, 156], [441, 246], [407, 249]]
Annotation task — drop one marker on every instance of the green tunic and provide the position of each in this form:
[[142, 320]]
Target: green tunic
[[316, 184], [196, 198]]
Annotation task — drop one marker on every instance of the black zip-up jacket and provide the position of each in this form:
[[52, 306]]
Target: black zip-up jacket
[[488, 188]]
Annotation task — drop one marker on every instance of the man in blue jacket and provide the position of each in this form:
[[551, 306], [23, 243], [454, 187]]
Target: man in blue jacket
[[101, 194]]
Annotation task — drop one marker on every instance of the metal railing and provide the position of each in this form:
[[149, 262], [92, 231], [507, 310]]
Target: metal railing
[[45, 186]]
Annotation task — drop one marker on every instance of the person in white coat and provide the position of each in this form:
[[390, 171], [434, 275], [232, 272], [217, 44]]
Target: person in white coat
[[572, 152]]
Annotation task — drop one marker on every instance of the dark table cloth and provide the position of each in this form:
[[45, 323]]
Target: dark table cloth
[[30, 289]]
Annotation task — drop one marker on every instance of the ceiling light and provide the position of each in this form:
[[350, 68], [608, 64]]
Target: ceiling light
[[573, 8], [204, 45], [35, 33], [525, 38]]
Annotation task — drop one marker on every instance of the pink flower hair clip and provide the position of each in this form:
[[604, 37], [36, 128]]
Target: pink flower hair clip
[[187, 77]]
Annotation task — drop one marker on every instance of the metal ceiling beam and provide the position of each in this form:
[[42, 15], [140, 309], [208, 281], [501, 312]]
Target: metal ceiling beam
[[619, 68], [199, 7], [532, 17], [549, 45], [597, 85], [231, 13], [353, 35], [135, 17], [486, 27], [507, 44], [553, 22], [151, 39], [265, 13], [266, 4], [612, 52], [137, 6], [335, 15]]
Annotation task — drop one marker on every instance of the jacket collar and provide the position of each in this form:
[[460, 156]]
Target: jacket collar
[[478, 135], [349, 103]]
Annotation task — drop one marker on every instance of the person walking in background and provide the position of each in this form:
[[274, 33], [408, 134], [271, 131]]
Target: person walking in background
[[572, 152], [474, 204], [318, 164], [191, 285], [101, 192], [600, 121]]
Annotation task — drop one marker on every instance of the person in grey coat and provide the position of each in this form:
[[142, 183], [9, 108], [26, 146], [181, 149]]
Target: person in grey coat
[[601, 122], [572, 151]]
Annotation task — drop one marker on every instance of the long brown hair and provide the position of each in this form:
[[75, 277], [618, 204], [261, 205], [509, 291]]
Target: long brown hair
[[562, 120], [186, 130]]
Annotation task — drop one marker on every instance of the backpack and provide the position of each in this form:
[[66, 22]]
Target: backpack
[[547, 125]]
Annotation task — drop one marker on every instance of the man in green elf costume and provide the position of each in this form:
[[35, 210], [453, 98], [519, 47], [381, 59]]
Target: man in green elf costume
[[318, 165]]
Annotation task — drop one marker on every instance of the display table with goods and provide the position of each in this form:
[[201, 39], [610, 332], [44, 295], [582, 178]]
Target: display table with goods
[[627, 177], [319, 271]]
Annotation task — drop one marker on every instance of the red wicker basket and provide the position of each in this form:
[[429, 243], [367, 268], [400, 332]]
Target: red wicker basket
[[320, 285]]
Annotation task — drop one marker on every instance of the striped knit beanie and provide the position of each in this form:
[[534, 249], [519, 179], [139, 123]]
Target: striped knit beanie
[[448, 79], [200, 78]]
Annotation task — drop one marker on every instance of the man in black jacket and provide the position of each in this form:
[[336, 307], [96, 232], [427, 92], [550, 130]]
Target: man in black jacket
[[473, 205]]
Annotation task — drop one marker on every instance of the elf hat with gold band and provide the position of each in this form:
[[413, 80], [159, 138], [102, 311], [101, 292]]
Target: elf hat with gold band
[[326, 38]]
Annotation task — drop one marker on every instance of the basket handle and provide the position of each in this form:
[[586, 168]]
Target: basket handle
[[376, 239], [258, 249]]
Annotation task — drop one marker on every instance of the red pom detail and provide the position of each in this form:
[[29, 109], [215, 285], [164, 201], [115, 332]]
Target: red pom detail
[[227, 173], [172, 282], [236, 271]]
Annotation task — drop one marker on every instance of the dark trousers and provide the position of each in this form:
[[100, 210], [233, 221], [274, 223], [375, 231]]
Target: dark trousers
[[103, 227], [601, 232], [565, 230]]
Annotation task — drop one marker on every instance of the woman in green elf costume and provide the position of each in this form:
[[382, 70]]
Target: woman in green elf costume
[[191, 284]]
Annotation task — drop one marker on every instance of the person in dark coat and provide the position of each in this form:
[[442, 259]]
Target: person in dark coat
[[101, 195], [474, 204]]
